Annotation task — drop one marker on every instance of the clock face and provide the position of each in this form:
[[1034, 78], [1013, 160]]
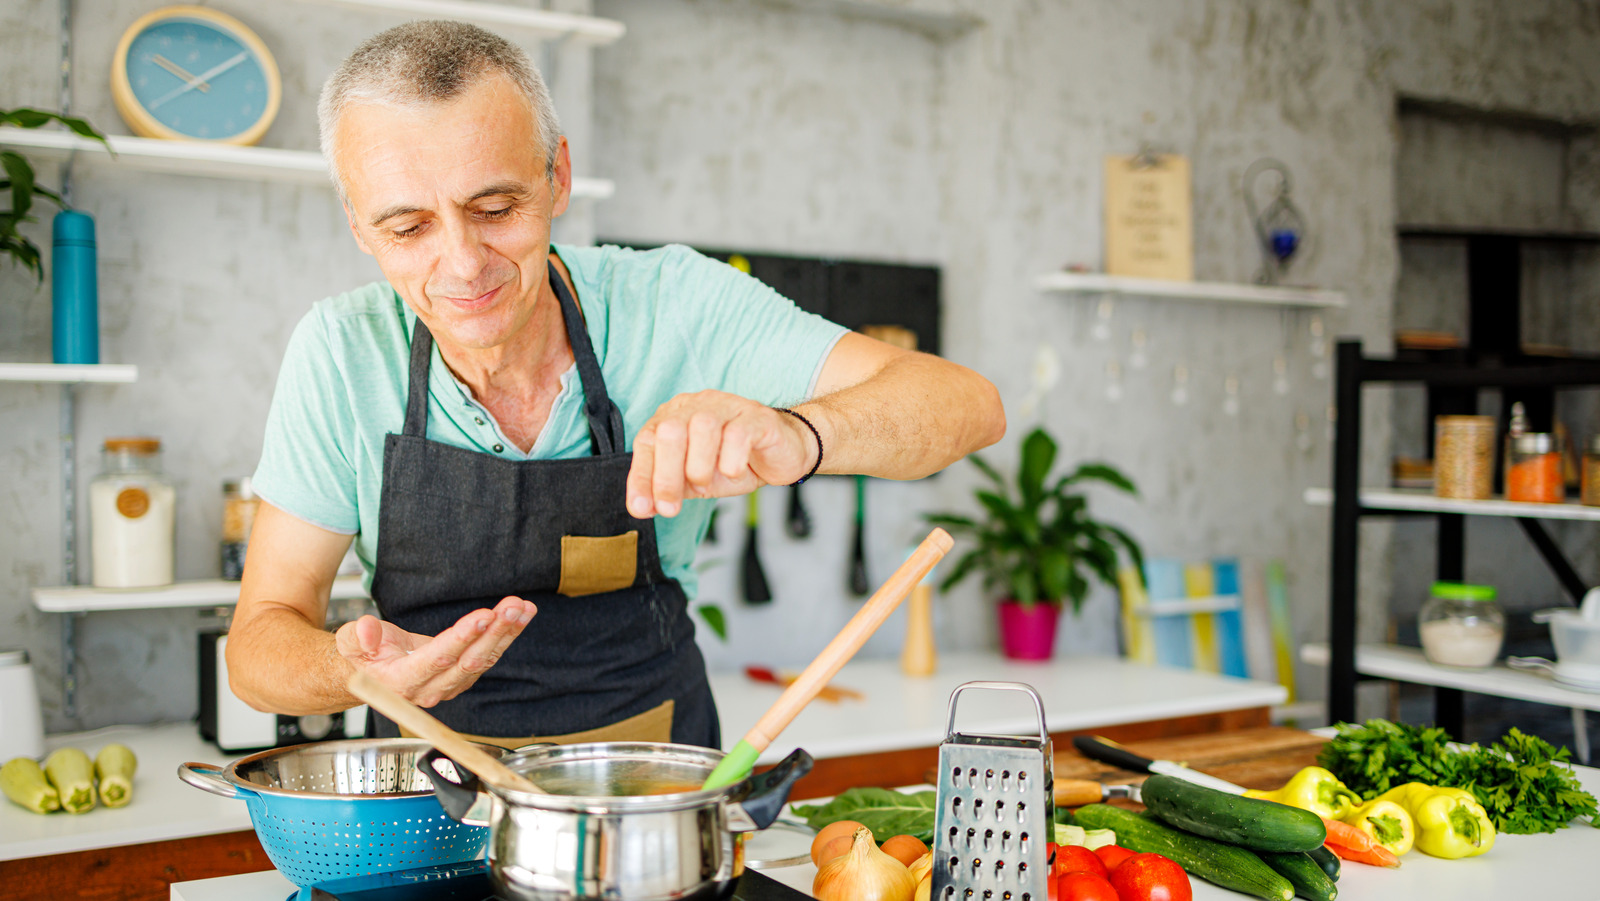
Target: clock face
[[192, 76]]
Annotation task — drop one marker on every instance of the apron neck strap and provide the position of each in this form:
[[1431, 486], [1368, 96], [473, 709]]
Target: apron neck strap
[[605, 420]]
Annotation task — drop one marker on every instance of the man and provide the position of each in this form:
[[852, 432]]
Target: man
[[468, 422]]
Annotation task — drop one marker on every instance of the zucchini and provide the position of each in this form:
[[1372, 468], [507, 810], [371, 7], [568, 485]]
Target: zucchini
[[1327, 860], [1229, 866], [72, 774], [23, 782], [114, 767], [1249, 822], [1306, 874]]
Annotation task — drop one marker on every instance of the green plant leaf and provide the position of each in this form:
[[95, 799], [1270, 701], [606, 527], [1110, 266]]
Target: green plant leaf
[[887, 813], [964, 566], [715, 618], [25, 251], [1024, 586], [27, 117], [1055, 570], [20, 176], [951, 521], [1038, 456], [1099, 472], [1132, 548], [988, 470]]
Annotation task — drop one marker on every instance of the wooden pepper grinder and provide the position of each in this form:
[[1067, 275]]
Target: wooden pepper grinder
[[920, 656]]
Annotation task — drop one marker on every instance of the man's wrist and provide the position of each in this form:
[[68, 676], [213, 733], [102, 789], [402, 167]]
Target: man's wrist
[[808, 427]]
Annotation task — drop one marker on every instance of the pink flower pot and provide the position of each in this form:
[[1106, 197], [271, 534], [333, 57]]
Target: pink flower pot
[[1028, 633]]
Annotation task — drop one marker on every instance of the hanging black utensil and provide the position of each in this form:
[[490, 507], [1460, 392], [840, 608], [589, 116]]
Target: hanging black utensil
[[711, 524], [751, 575], [859, 585], [798, 522]]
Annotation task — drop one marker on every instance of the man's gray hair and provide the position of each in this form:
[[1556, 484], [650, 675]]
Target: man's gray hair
[[431, 62]]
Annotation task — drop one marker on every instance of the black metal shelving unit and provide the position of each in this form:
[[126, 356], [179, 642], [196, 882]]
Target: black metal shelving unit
[[1453, 384]]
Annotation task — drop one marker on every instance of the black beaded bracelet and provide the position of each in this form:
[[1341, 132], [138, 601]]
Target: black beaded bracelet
[[814, 434]]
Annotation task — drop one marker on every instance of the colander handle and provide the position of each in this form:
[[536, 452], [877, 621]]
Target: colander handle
[[208, 778], [463, 800], [1038, 703]]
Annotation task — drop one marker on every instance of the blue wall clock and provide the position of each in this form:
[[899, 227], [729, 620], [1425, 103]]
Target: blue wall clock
[[192, 73]]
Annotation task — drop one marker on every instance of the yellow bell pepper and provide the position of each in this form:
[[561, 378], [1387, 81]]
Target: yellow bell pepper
[[1450, 822], [1389, 824], [1314, 789]]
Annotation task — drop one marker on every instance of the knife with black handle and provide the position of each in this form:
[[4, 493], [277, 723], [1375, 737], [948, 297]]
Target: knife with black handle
[[1108, 751]]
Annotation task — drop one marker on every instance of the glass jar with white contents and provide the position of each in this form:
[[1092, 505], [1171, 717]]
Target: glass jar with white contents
[[132, 516], [1461, 625]]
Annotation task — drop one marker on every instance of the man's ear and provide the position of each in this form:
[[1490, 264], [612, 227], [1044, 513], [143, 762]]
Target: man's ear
[[350, 219], [563, 175]]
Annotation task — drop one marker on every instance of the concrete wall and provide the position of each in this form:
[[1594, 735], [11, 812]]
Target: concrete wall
[[829, 127]]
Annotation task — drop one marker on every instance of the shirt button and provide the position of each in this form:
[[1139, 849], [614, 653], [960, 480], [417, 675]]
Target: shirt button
[[498, 448], [478, 420]]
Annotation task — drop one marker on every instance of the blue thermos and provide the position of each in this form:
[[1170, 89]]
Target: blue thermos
[[75, 290]]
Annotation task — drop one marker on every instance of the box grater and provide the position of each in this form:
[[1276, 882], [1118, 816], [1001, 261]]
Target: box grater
[[995, 811]]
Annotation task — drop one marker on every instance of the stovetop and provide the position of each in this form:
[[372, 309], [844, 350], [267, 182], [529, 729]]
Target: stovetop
[[470, 882]]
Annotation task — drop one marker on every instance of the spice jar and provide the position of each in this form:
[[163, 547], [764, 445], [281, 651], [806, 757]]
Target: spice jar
[[1463, 457], [238, 516], [132, 516], [1590, 493], [1461, 625], [1533, 471]]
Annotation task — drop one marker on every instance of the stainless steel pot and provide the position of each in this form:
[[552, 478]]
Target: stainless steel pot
[[624, 821]]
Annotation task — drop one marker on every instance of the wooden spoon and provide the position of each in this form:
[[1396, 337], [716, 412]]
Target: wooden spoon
[[422, 724], [736, 765]]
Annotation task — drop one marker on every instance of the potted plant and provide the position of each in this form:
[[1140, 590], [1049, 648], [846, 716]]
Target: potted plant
[[17, 182], [1039, 544]]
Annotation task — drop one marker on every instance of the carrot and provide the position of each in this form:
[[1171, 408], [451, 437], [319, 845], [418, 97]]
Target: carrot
[[1376, 855], [1347, 836]]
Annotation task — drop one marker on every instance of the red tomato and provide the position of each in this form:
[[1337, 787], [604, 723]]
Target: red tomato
[[1083, 887], [1151, 877], [1076, 859], [1112, 856]]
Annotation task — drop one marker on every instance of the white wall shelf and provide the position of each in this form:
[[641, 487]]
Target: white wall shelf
[[1388, 661], [205, 593], [212, 160], [1423, 501], [69, 373], [1220, 292], [544, 24]]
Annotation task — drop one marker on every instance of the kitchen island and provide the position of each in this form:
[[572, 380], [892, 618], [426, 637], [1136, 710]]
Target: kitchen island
[[174, 833]]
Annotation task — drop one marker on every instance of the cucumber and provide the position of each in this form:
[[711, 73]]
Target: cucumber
[[1255, 824], [1306, 874], [1327, 860], [114, 767], [23, 782], [72, 774], [1229, 866]]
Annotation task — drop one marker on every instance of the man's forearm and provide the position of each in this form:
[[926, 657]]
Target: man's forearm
[[279, 662], [914, 417]]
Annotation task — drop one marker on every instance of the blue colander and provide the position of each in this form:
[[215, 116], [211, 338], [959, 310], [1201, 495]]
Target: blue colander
[[334, 809]]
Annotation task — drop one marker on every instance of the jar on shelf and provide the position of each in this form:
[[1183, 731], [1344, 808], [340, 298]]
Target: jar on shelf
[[1463, 457], [1533, 470], [1590, 492], [238, 517], [132, 517], [1461, 625]]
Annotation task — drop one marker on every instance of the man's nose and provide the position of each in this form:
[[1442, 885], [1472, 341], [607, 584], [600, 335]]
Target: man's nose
[[463, 255]]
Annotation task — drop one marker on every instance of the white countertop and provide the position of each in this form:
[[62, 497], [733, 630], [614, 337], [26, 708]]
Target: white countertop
[[1518, 866], [898, 712]]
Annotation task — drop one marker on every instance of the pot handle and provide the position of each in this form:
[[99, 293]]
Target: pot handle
[[769, 792], [207, 777], [463, 800]]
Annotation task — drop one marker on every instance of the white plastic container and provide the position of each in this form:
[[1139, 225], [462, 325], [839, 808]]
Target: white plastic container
[[132, 517], [21, 723]]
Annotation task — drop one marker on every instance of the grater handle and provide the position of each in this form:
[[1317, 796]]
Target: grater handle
[[1038, 703]]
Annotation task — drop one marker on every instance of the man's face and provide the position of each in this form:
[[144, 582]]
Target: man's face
[[452, 201]]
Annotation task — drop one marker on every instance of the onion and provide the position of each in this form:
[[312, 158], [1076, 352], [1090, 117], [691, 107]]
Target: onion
[[864, 873]]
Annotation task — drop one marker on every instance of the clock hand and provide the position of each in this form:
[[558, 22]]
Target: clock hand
[[205, 76], [178, 70]]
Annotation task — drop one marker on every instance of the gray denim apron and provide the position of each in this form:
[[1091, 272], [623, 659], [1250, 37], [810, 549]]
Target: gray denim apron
[[458, 530]]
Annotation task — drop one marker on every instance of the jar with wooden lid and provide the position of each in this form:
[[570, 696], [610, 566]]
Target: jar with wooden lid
[[1590, 492], [132, 517], [238, 517], [1533, 470], [1463, 457]]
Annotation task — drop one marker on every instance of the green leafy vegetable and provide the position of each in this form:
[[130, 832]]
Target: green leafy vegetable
[[1524, 783], [887, 813]]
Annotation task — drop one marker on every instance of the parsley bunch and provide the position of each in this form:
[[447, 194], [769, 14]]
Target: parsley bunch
[[1524, 783]]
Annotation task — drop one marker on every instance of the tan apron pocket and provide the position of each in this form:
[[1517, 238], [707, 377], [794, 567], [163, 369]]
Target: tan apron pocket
[[597, 565], [654, 724]]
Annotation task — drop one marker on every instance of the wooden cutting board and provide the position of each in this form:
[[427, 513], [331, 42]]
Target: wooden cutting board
[[1254, 758]]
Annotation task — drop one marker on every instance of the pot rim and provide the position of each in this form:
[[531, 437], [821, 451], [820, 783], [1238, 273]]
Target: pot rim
[[612, 804]]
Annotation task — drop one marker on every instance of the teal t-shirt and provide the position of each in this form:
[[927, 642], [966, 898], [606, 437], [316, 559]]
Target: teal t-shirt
[[663, 322]]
